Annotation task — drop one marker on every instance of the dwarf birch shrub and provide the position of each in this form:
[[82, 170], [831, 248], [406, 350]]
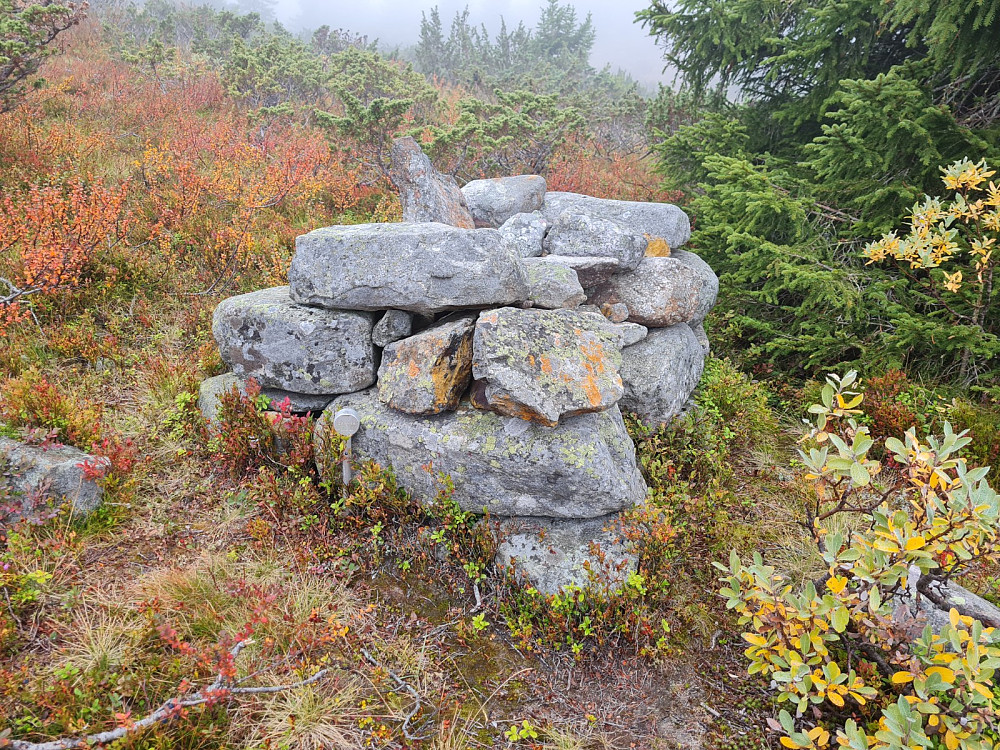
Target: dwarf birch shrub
[[846, 647]]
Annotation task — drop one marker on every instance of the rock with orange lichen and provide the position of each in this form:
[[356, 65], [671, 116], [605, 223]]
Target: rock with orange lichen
[[661, 292], [585, 468], [545, 365], [428, 373]]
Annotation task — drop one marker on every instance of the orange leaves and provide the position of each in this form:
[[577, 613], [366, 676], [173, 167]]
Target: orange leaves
[[50, 232], [584, 167]]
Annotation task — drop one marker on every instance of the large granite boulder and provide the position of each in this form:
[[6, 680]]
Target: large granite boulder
[[426, 194], [544, 365], [582, 235], [661, 372], [652, 220], [708, 283], [525, 233], [552, 555], [422, 268], [492, 202], [266, 336], [504, 465], [591, 271], [59, 474], [660, 292], [552, 285], [428, 373], [211, 390]]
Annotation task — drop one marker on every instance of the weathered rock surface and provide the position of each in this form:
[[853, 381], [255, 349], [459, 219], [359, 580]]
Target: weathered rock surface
[[211, 390], [660, 373], [631, 333], [582, 235], [660, 292], [426, 194], [525, 233], [652, 220], [699, 333], [615, 312], [508, 466], [552, 285], [393, 326], [265, 336], [492, 202], [428, 373], [708, 283], [555, 554], [35, 474], [590, 270], [543, 365], [422, 268]]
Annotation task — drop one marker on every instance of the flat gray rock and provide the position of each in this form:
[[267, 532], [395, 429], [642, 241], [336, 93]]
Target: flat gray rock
[[661, 372], [552, 555], [544, 365], [552, 285], [582, 235], [590, 270], [393, 326], [281, 344], [660, 292], [585, 468], [430, 372], [211, 390], [651, 220], [525, 233], [493, 202], [616, 312], [631, 333], [708, 286], [35, 474], [421, 268], [425, 193]]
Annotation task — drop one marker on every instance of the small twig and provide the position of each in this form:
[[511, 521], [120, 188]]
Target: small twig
[[217, 691], [403, 684]]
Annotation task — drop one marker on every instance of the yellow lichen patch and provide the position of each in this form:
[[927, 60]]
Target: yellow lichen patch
[[657, 247], [546, 364]]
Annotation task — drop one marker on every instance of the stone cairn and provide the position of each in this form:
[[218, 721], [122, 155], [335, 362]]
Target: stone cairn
[[493, 336]]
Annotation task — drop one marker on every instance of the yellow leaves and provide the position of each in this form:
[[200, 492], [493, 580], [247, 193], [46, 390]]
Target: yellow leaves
[[944, 673], [950, 740], [836, 584], [915, 543], [754, 639], [953, 281], [901, 678]]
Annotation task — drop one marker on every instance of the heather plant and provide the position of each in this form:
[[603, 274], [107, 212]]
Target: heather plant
[[849, 638]]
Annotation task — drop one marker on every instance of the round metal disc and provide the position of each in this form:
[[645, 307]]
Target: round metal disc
[[346, 422]]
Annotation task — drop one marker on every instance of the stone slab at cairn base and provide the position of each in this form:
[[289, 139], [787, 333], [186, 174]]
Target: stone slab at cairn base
[[210, 392], [584, 469], [428, 373], [545, 365], [425, 193], [652, 220], [554, 554], [55, 473], [421, 268], [492, 202], [661, 372], [264, 335]]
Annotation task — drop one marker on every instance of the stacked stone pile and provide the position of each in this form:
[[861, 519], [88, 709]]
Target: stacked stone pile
[[493, 336]]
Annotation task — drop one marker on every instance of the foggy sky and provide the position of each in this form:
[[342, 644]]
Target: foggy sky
[[620, 42]]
